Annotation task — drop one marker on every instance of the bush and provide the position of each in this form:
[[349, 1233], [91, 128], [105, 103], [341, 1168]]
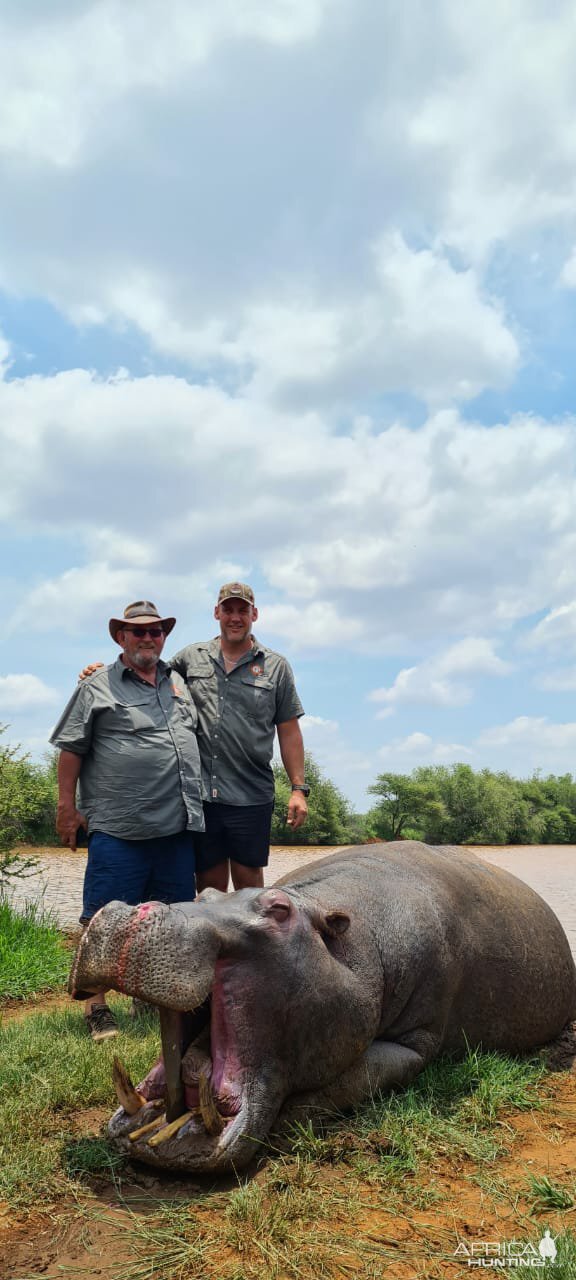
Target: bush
[[28, 795], [330, 819]]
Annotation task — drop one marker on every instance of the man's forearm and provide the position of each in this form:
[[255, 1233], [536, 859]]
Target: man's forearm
[[69, 766], [68, 817], [292, 749]]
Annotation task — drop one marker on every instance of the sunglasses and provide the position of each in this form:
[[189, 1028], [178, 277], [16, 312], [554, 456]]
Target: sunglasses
[[140, 632]]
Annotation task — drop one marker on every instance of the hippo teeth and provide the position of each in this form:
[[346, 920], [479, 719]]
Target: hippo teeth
[[213, 1121], [171, 1034], [127, 1095]]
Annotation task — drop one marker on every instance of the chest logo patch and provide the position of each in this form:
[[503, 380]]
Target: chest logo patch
[[176, 691], [256, 669]]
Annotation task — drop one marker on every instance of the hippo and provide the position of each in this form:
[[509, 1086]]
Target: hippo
[[344, 979]]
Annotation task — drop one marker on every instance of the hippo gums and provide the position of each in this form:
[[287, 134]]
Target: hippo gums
[[345, 978]]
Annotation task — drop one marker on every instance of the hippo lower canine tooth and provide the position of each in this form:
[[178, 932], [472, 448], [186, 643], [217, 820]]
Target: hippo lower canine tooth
[[127, 1095], [213, 1122]]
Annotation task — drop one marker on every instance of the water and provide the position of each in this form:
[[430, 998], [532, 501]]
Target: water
[[550, 869]]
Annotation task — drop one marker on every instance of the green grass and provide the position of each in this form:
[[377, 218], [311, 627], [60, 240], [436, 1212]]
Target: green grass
[[549, 1196], [302, 1217], [33, 954], [50, 1071], [451, 1108], [564, 1266]]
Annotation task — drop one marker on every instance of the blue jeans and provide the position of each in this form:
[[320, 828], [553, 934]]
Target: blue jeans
[[136, 871]]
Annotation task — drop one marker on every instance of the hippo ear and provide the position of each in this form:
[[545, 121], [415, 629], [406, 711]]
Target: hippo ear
[[334, 923]]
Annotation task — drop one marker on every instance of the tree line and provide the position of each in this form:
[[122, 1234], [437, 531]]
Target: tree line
[[459, 805], [439, 804]]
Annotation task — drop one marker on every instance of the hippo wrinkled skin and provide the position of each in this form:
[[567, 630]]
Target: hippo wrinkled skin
[[345, 978]]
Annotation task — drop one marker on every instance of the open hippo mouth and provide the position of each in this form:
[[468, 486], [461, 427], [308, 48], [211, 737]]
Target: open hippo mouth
[[188, 1096], [200, 1105]]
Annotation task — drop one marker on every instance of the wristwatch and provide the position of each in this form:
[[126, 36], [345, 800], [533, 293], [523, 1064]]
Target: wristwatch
[[301, 786]]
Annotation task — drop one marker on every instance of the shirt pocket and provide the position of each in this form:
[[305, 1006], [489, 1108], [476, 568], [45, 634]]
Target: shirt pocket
[[136, 713], [257, 699], [202, 687]]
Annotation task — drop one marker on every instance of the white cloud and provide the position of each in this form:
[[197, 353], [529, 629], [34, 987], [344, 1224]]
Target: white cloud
[[558, 681], [419, 322], [437, 681], [73, 65], [5, 356], [405, 754], [530, 731], [568, 272], [556, 629], [24, 693], [363, 536], [497, 122], [315, 724]]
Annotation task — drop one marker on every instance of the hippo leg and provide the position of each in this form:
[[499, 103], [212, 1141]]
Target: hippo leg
[[383, 1065]]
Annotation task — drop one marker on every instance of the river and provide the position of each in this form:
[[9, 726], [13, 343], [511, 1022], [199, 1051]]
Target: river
[[549, 868]]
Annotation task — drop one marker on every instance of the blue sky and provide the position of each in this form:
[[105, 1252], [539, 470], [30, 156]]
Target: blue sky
[[288, 293]]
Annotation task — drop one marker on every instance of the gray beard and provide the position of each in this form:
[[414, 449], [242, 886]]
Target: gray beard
[[145, 661]]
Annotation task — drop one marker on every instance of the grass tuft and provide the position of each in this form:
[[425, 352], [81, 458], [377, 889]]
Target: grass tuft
[[547, 1195], [33, 954]]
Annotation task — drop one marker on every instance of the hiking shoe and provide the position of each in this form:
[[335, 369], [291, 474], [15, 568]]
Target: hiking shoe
[[101, 1022], [141, 1008]]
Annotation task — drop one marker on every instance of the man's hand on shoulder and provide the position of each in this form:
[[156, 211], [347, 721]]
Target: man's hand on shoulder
[[68, 821], [90, 669]]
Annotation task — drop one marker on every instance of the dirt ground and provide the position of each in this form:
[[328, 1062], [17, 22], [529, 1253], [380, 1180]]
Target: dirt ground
[[88, 1238]]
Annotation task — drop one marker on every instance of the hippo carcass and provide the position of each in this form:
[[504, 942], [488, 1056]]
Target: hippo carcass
[[345, 978]]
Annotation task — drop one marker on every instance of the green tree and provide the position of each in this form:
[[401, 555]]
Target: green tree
[[405, 805], [28, 795], [328, 810]]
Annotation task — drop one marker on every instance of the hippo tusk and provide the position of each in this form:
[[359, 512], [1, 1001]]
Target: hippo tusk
[[171, 1033], [146, 1128], [170, 1129], [213, 1122], [127, 1095]]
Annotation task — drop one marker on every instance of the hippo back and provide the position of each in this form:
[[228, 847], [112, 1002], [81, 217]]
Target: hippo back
[[466, 949]]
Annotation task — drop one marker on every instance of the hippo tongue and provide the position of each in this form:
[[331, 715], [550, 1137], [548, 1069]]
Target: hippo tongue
[[171, 1033]]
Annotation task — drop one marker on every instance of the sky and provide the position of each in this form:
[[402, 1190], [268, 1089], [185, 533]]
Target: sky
[[288, 295]]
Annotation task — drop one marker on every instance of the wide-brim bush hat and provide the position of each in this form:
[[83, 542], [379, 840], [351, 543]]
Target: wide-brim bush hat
[[137, 615]]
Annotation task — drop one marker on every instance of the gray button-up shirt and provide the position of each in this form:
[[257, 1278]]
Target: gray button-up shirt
[[237, 715], [140, 774]]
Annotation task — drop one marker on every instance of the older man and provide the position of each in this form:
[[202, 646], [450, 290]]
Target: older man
[[243, 693], [127, 739]]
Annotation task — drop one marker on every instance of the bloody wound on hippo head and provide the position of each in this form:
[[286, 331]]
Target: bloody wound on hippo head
[[345, 978]]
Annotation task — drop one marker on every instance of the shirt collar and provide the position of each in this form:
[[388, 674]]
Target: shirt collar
[[213, 648], [163, 668]]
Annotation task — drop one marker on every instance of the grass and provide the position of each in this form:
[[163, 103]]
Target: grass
[[547, 1195], [308, 1215], [564, 1266], [50, 1071], [354, 1197], [451, 1108], [33, 954]]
